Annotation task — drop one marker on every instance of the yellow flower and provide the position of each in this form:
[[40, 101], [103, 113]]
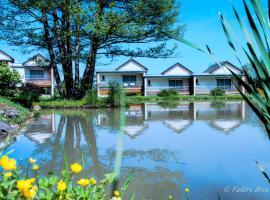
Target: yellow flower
[[35, 187], [76, 167], [29, 194], [32, 161], [83, 182], [116, 193], [35, 167], [187, 190], [31, 180], [7, 163], [92, 181], [4, 159], [23, 185], [7, 174], [61, 186]]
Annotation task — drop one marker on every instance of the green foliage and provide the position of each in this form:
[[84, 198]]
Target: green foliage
[[91, 28], [91, 97], [257, 48], [217, 92], [26, 99], [257, 52], [20, 183], [168, 93], [116, 96], [9, 81]]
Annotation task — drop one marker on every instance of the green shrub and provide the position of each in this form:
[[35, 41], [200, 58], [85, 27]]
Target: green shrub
[[26, 99], [91, 97], [9, 81], [18, 182], [116, 96], [217, 92], [168, 93]]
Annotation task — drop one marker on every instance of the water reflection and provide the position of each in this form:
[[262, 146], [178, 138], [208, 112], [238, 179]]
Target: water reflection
[[169, 146]]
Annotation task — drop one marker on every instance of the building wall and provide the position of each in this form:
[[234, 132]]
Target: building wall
[[225, 71], [111, 77], [21, 71], [205, 84], [46, 72], [130, 66], [177, 71], [159, 83]]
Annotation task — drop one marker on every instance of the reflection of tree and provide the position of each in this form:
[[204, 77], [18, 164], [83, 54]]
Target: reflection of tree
[[56, 146], [154, 185], [168, 104], [88, 131], [217, 105], [159, 155]]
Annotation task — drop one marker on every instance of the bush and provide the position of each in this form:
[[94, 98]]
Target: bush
[[217, 92], [9, 81], [168, 93], [31, 88], [91, 97], [26, 99], [116, 96]]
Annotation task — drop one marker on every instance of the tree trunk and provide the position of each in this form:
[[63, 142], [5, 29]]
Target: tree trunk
[[52, 54], [77, 52], [64, 45], [88, 76]]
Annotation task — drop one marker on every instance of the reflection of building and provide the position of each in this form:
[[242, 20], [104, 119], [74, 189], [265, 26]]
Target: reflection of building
[[134, 120], [224, 116], [177, 117], [41, 129]]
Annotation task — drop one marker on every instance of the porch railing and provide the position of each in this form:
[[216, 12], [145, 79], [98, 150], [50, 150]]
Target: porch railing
[[159, 88], [123, 84], [210, 87], [37, 78]]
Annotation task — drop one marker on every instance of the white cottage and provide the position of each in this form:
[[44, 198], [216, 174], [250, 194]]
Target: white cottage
[[217, 76], [129, 75], [36, 70], [39, 72], [177, 77]]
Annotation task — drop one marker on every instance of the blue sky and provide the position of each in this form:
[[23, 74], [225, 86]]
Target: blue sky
[[202, 20]]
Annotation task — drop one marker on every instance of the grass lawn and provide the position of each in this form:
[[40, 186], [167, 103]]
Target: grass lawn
[[61, 103]]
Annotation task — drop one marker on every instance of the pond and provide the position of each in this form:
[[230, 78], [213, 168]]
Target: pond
[[209, 147]]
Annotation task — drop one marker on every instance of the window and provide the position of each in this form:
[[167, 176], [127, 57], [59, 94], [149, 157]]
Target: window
[[224, 83], [102, 78], [36, 74], [149, 82], [175, 83], [197, 82], [129, 79]]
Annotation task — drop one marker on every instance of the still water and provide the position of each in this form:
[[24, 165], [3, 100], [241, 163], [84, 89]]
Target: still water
[[207, 147]]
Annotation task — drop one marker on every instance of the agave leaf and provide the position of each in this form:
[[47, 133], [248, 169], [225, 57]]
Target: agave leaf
[[262, 170], [133, 196], [255, 96], [258, 38], [261, 15], [249, 41]]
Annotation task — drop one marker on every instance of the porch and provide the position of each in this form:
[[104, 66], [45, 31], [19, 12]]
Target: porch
[[132, 83], [153, 85]]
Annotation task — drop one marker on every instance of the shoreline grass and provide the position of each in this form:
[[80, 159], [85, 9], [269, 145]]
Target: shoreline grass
[[101, 103], [24, 113]]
